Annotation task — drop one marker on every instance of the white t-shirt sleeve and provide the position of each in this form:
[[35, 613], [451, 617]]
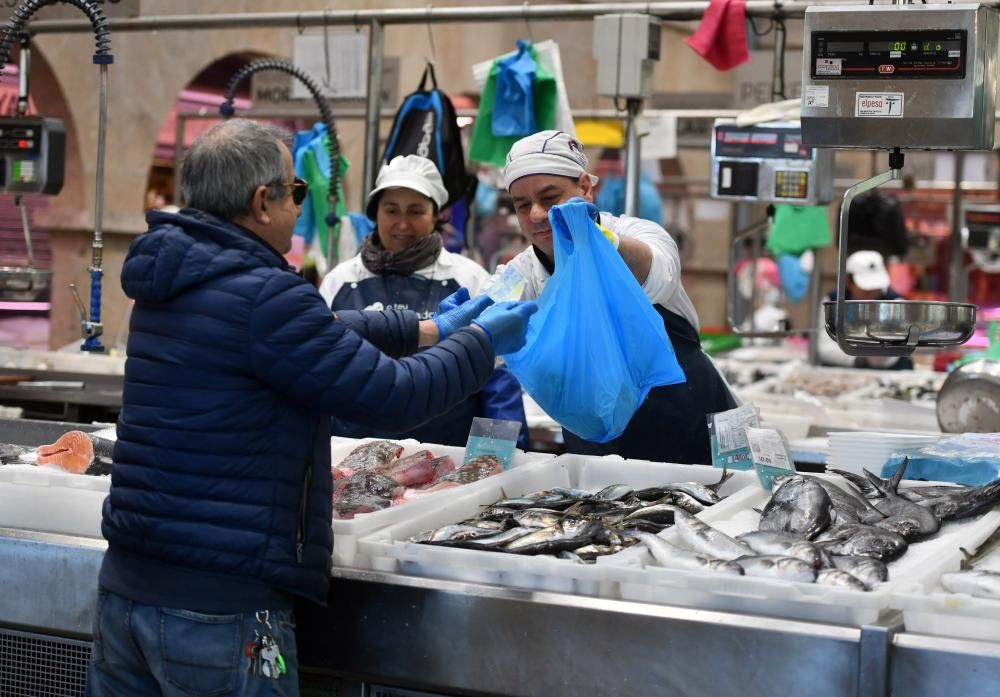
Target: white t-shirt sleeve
[[665, 270]]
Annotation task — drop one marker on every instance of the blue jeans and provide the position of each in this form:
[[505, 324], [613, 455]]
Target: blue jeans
[[141, 650]]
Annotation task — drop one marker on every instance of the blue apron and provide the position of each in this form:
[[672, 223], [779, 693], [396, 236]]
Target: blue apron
[[670, 426]]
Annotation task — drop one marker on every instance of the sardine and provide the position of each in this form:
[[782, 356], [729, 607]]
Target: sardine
[[868, 570], [537, 517], [661, 513], [673, 557], [614, 492], [799, 506], [774, 566], [703, 538], [783, 544], [452, 533], [841, 579], [977, 583], [493, 542], [706, 494], [855, 539], [568, 534]]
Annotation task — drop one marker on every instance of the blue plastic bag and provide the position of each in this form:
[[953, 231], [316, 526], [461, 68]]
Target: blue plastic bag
[[794, 279], [514, 106], [596, 346], [972, 459]]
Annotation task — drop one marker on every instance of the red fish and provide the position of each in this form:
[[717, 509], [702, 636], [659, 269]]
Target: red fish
[[413, 470]]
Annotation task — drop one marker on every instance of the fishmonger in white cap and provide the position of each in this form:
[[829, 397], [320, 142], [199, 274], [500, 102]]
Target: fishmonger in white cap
[[549, 168]]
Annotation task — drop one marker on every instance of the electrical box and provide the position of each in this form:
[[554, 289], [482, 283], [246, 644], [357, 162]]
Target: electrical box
[[626, 46], [906, 76], [768, 163], [32, 155]]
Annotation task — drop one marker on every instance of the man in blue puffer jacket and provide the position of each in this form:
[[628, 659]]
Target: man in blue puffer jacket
[[220, 505]]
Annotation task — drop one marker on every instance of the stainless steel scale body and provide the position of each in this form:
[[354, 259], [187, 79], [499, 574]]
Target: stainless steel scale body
[[927, 80]]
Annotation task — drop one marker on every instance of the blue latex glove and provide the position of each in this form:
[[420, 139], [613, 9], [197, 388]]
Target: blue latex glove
[[506, 324], [457, 311]]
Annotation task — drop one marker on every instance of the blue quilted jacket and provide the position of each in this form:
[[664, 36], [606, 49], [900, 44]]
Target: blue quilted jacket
[[221, 485]]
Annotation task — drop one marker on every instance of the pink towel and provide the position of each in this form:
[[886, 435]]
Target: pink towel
[[721, 38]]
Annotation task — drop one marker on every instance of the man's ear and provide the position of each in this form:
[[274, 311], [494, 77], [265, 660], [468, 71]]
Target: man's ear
[[586, 187], [258, 205]]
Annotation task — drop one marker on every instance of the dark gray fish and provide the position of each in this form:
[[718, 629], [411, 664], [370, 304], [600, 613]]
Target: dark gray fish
[[799, 506], [864, 486], [363, 492], [841, 579], [660, 513], [857, 540], [908, 528], [497, 513], [868, 570], [849, 508], [893, 505], [965, 502], [640, 525]]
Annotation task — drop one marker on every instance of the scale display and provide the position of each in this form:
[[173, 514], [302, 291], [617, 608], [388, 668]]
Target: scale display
[[32, 155], [982, 228], [889, 55], [768, 163]]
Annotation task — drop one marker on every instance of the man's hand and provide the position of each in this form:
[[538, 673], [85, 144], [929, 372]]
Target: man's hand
[[595, 215]]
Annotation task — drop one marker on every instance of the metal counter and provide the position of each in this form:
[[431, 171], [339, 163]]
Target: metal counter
[[450, 638]]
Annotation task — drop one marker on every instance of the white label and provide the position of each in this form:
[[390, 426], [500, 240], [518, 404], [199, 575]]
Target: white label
[[727, 177], [768, 448], [954, 54], [731, 427], [818, 96], [338, 62], [660, 143], [881, 105], [828, 66]]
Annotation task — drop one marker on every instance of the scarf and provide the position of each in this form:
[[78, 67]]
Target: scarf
[[404, 262]]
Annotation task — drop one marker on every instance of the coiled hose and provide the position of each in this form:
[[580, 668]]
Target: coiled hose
[[26, 8], [262, 64]]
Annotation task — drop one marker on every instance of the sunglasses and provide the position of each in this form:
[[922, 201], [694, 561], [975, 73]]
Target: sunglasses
[[300, 188]]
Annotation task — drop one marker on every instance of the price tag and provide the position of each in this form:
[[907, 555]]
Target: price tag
[[727, 434], [769, 454]]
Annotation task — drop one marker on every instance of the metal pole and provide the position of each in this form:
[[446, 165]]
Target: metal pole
[[376, 39], [24, 66], [675, 11], [816, 319], [633, 153], [956, 269]]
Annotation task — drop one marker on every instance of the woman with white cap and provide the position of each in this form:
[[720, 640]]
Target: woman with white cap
[[867, 279], [549, 168], [403, 265]]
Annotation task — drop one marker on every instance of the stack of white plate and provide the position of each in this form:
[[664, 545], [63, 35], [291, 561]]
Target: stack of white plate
[[869, 450]]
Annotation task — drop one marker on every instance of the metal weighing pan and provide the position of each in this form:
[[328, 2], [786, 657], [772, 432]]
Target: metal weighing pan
[[23, 284], [903, 323]]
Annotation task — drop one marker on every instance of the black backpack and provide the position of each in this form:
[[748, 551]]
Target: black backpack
[[425, 125]]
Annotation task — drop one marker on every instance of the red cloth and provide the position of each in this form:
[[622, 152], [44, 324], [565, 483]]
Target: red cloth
[[721, 38]]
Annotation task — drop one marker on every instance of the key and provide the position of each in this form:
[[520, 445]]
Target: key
[[269, 654], [252, 650]]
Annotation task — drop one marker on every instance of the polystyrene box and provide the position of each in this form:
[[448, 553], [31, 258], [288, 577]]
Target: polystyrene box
[[347, 532], [50, 500], [389, 550]]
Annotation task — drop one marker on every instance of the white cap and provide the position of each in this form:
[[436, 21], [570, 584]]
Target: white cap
[[546, 152], [409, 172], [867, 269]]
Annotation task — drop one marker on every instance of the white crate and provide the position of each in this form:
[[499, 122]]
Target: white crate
[[388, 549], [930, 609], [778, 598], [51, 500], [346, 533]]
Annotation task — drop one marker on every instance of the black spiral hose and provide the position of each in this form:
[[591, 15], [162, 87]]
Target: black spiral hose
[[262, 64], [26, 8]]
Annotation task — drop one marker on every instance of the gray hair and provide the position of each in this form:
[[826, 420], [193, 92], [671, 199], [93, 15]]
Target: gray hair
[[227, 163]]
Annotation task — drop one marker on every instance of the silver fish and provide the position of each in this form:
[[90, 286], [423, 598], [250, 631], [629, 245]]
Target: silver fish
[[857, 540], [672, 557], [774, 566], [570, 556], [977, 583], [799, 506], [840, 578], [590, 552], [495, 542], [703, 538], [849, 508], [614, 492], [568, 534], [706, 494], [866, 569], [452, 533], [893, 505], [783, 544], [660, 513], [537, 518]]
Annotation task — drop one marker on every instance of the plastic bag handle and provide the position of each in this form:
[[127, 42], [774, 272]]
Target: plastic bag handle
[[423, 80]]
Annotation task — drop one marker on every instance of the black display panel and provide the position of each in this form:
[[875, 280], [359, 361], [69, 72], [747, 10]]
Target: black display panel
[[761, 141], [894, 55], [983, 228]]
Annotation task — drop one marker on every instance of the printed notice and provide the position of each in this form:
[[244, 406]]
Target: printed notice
[[769, 454], [817, 96], [828, 66], [879, 105]]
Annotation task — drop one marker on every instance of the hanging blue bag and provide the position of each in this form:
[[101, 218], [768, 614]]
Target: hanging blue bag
[[596, 346], [514, 106]]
